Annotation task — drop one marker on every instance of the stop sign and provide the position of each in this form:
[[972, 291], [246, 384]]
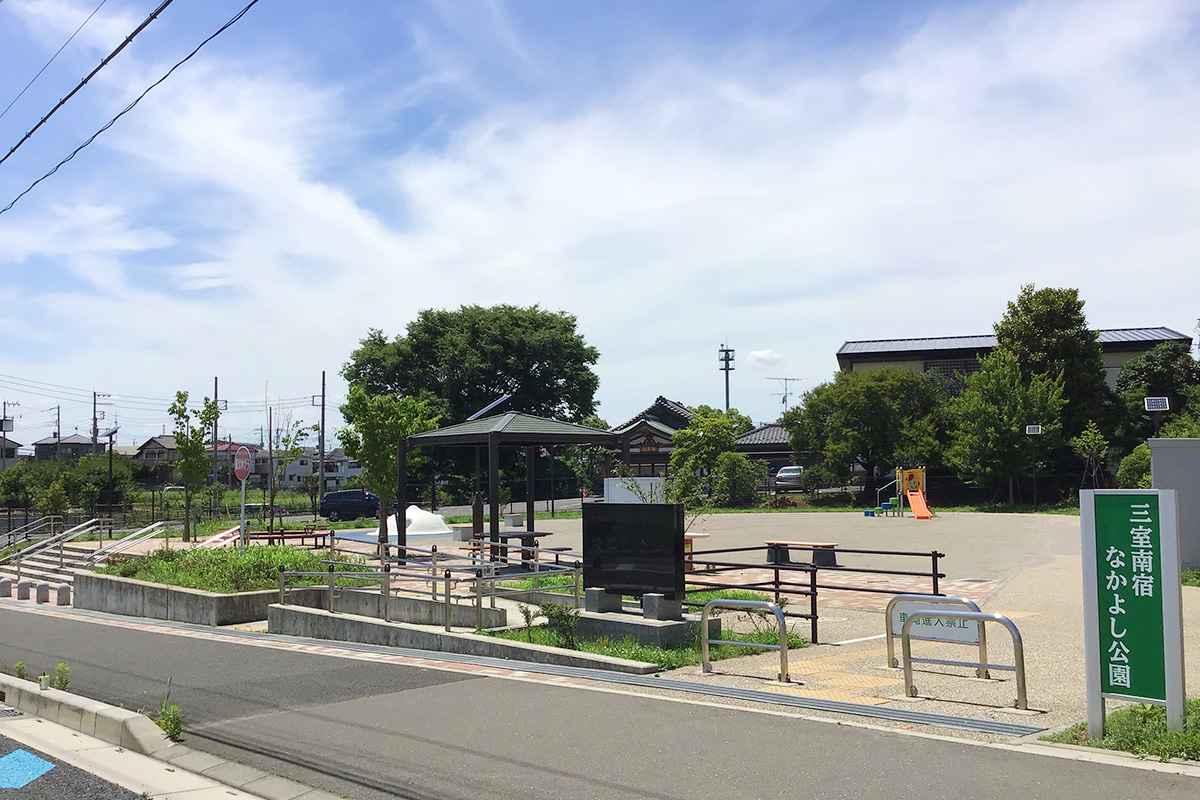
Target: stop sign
[[241, 463]]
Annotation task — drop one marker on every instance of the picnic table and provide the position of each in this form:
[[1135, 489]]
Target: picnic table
[[320, 538]]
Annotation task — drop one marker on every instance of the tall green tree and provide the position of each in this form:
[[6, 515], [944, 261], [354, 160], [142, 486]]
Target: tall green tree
[[1047, 332], [739, 423], [870, 420], [988, 444], [460, 361], [1168, 370], [706, 468], [192, 429], [375, 424]]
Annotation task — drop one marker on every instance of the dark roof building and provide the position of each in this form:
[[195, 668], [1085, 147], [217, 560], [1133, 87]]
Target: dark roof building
[[649, 435], [960, 354], [769, 443], [73, 446]]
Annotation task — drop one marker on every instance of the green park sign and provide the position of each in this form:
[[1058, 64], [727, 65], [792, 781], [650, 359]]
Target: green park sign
[[1133, 629]]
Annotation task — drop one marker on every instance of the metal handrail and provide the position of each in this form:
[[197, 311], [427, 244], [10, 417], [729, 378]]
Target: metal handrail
[[28, 529], [68, 535], [933, 600], [1018, 667], [125, 542], [782, 647]]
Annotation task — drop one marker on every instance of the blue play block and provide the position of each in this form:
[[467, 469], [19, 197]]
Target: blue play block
[[870, 512], [18, 769]]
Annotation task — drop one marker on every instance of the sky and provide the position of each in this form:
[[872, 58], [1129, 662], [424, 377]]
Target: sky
[[778, 176]]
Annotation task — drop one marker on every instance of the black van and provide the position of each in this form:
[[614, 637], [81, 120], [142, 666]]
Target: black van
[[349, 504]]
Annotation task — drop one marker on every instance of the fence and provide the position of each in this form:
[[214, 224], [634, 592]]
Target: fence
[[782, 583]]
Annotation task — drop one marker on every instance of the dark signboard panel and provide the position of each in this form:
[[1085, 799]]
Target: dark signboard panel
[[634, 548]]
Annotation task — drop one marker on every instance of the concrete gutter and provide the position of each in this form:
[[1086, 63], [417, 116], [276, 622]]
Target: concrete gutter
[[139, 734]]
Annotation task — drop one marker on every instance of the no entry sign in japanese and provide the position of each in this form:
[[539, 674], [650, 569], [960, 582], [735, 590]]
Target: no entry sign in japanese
[[1132, 601]]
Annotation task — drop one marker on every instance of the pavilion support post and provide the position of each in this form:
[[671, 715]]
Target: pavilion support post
[[530, 503], [494, 492], [401, 496], [625, 450]]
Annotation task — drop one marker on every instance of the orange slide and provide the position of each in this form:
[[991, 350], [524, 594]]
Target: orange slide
[[916, 501]]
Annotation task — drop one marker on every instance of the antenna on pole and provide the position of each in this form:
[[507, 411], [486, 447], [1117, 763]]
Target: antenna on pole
[[725, 357], [785, 394]]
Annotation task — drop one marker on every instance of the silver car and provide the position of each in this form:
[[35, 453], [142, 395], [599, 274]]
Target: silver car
[[788, 478]]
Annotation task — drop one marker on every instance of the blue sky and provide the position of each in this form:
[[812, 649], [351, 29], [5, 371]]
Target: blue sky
[[783, 176]]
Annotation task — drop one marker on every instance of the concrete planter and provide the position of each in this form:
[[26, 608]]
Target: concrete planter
[[415, 610], [133, 598], [317, 624]]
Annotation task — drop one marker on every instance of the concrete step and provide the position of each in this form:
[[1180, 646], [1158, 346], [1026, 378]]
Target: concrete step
[[37, 575]]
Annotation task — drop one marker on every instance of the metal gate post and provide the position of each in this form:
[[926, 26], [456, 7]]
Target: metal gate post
[[331, 588], [447, 577], [812, 602], [282, 581], [387, 592], [1018, 666], [478, 599]]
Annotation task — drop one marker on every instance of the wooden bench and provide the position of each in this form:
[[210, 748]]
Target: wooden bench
[[320, 538], [527, 539], [823, 553], [689, 541]]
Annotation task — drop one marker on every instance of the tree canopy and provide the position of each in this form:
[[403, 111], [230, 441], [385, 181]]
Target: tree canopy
[[739, 423], [988, 443], [192, 429], [1047, 332], [869, 419], [375, 423], [460, 361], [1168, 371]]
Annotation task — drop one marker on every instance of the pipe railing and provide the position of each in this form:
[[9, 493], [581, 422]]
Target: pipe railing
[[102, 554], [1018, 665], [58, 540], [752, 605], [32, 529]]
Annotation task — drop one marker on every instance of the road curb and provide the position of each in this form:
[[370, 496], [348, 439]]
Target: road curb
[[139, 734]]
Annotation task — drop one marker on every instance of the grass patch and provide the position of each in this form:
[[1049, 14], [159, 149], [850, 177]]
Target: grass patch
[[1142, 730], [664, 658], [1191, 577], [225, 570]]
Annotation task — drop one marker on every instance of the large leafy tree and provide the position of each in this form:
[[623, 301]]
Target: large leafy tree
[[988, 444], [739, 423], [460, 361], [706, 467], [375, 424], [1047, 332], [192, 428], [1168, 371], [870, 420]]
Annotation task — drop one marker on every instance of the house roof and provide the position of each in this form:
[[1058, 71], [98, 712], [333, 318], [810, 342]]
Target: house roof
[[770, 434], [226, 447], [513, 428], [125, 449], [167, 442], [988, 341], [77, 438], [664, 411], [5, 442], [661, 427]]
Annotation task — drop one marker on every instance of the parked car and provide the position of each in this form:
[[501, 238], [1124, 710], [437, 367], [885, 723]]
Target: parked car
[[788, 478], [349, 504]]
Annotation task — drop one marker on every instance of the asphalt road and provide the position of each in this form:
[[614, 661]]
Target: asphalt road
[[365, 730]]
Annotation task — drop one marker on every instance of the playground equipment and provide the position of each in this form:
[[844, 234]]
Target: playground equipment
[[910, 485]]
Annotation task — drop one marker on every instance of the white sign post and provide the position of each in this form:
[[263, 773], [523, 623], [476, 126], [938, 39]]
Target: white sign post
[[1132, 601], [242, 462]]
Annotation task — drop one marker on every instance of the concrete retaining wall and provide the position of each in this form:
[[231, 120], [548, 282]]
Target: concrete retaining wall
[[134, 598], [317, 624], [118, 726], [415, 610]]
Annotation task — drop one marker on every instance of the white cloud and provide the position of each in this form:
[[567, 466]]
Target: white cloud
[[764, 358], [909, 195]]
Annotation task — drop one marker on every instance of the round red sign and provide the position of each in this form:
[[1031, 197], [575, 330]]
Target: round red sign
[[241, 463]]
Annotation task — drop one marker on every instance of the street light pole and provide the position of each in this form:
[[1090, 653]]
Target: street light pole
[[1034, 431]]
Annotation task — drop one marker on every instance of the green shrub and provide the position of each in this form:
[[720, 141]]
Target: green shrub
[[561, 620], [1134, 472], [1142, 730], [19, 670], [62, 677], [226, 570], [170, 719]]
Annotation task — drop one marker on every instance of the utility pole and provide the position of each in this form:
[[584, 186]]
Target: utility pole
[[271, 468], [57, 431], [6, 427], [95, 424], [725, 358], [212, 497], [321, 443]]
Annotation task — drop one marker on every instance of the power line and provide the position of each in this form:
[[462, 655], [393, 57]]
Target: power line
[[153, 15], [51, 61], [129, 107]]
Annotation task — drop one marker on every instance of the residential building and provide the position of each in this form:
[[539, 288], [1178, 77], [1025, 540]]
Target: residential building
[[768, 443], [339, 468], [66, 447], [9, 451], [157, 450], [950, 355]]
